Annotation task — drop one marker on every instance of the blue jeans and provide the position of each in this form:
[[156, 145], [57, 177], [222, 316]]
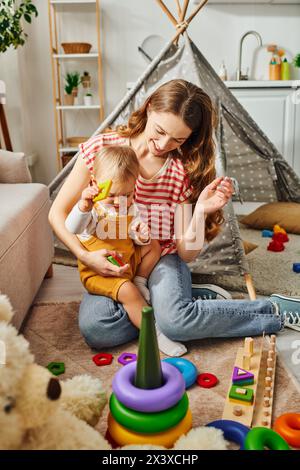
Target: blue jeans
[[104, 323]]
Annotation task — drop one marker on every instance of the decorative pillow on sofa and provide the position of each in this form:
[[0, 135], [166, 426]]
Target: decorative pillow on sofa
[[13, 168], [286, 214]]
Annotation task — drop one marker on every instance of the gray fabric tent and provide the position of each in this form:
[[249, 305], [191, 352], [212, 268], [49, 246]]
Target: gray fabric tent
[[243, 152]]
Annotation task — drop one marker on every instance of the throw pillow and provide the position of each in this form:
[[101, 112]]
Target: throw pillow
[[285, 214], [13, 168]]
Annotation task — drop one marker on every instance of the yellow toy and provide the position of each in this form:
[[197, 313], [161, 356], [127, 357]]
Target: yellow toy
[[104, 189]]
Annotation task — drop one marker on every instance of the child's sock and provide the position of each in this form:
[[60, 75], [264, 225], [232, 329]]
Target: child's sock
[[169, 347], [141, 284]]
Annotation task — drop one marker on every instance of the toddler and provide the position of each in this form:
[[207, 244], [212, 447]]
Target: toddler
[[115, 225]]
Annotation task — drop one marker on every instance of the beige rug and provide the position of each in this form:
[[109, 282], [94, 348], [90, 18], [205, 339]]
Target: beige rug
[[53, 333], [271, 272]]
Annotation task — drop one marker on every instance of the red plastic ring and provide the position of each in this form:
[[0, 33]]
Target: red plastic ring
[[207, 380], [102, 359]]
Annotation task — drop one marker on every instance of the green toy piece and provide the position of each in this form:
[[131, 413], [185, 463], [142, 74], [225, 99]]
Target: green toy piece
[[242, 394], [104, 189], [112, 260], [56, 368], [148, 368]]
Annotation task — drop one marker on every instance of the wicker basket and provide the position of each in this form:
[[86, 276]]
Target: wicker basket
[[75, 141], [76, 47]]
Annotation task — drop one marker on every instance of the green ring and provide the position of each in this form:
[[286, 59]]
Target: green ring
[[259, 438], [148, 423]]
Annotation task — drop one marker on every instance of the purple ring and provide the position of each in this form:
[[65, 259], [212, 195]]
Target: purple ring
[[149, 401]]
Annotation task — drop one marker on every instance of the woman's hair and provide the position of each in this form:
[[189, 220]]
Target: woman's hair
[[197, 153], [118, 163]]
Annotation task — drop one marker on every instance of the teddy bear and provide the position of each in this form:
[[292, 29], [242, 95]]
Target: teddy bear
[[39, 412]]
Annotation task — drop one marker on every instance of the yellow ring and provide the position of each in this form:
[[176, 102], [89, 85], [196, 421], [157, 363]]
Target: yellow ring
[[123, 436]]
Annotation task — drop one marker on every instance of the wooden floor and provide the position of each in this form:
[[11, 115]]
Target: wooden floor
[[64, 286]]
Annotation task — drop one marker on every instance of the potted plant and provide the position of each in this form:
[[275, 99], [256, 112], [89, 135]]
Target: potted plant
[[72, 82], [296, 61], [87, 99], [11, 14]]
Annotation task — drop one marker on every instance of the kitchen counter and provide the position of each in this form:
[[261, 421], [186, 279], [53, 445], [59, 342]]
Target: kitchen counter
[[263, 84]]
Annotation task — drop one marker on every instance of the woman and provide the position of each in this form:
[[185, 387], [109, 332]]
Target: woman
[[172, 135]]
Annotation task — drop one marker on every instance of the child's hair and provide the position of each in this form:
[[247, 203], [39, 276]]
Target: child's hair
[[116, 162]]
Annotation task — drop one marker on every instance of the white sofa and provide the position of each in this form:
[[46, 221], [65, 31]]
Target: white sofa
[[26, 242]]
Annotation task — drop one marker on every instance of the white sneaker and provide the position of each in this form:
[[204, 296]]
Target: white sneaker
[[209, 292]]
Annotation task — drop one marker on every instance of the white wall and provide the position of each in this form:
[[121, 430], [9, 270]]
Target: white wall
[[216, 31]]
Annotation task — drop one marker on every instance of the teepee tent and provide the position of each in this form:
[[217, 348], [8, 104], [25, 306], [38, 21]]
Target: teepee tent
[[243, 151]]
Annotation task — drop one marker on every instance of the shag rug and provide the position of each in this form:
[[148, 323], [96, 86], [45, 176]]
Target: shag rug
[[271, 272], [53, 333]]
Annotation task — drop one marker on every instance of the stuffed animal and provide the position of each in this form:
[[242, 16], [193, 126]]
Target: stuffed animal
[[37, 411]]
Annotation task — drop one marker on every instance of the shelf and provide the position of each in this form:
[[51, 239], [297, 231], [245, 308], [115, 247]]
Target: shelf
[[68, 149], [70, 2], [79, 106], [90, 55]]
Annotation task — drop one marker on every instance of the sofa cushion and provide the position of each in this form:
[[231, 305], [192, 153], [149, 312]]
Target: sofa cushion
[[19, 203], [13, 167]]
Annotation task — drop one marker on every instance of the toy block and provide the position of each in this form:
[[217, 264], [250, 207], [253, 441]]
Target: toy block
[[240, 375], [241, 394], [267, 233], [249, 346], [246, 361], [56, 368], [104, 189], [115, 260], [296, 267]]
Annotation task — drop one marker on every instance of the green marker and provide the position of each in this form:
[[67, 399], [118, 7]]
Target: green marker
[[148, 368]]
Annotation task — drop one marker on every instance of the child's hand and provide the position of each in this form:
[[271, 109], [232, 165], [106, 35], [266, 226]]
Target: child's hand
[[142, 231], [86, 202], [215, 195]]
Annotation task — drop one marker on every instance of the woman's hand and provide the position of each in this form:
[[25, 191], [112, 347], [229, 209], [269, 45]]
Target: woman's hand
[[97, 262], [215, 195]]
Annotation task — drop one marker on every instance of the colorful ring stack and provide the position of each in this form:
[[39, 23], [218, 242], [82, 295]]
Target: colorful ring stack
[[157, 416]]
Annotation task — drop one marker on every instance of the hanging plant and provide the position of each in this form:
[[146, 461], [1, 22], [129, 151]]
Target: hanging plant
[[11, 14]]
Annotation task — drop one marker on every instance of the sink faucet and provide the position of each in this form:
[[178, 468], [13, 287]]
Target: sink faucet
[[239, 75]]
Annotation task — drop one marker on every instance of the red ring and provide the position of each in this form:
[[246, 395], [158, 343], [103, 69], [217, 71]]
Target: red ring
[[102, 359], [207, 380]]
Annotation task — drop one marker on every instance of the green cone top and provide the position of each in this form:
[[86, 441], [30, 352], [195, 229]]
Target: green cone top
[[148, 368]]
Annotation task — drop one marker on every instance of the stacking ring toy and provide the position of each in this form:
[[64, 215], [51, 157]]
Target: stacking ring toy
[[187, 368], [260, 438], [207, 380], [288, 426], [233, 431], [148, 423], [149, 401], [167, 438]]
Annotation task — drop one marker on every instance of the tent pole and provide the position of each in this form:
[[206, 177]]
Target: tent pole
[[167, 11], [187, 22], [178, 8], [184, 9], [250, 286]]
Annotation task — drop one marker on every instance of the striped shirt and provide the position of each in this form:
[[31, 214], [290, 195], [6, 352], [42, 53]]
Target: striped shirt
[[157, 197]]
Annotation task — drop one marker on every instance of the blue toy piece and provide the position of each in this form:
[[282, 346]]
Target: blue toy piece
[[296, 267], [187, 368], [233, 431], [267, 233]]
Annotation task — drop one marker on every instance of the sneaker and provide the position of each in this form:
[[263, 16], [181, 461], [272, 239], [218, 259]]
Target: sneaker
[[289, 307], [209, 292]]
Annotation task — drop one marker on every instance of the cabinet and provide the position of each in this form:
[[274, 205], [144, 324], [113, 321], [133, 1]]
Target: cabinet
[[276, 112], [75, 36]]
